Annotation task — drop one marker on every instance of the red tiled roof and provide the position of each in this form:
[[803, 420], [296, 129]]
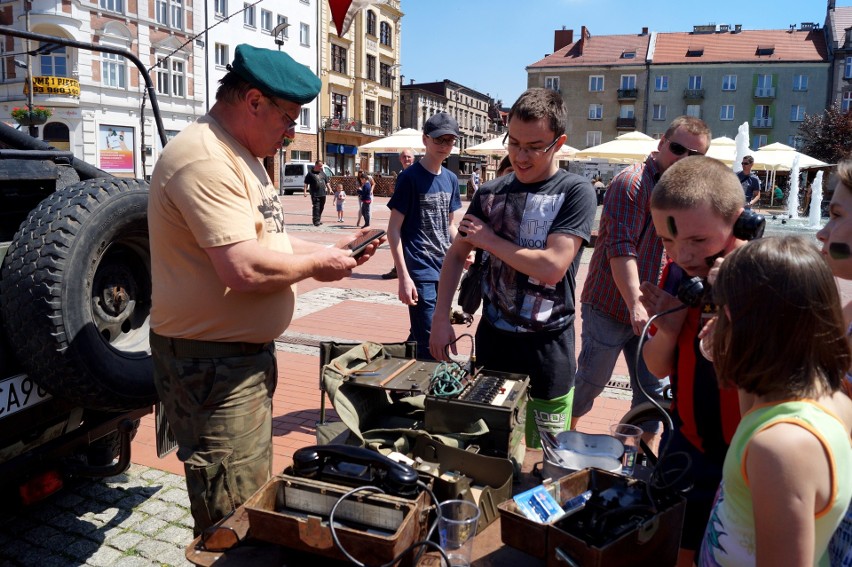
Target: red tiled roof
[[598, 50], [741, 47]]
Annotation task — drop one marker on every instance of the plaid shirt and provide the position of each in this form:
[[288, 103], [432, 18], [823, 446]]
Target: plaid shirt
[[625, 230]]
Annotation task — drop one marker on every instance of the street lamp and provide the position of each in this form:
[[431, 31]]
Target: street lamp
[[279, 33]]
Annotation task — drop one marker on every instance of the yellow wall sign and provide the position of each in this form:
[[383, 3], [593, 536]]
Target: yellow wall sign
[[55, 86]]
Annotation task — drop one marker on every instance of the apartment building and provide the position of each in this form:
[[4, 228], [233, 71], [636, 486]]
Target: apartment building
[[722, 74], [96, 100], [838, 28], [360, 97]]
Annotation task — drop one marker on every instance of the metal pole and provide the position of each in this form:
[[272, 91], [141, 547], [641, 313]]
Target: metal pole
[[33, 130]]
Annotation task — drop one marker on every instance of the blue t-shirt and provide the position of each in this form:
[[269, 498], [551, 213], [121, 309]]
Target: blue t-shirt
[[366, 193], [426, 200]]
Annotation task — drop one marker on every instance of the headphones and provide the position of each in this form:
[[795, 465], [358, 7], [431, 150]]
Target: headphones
[[749, 226]]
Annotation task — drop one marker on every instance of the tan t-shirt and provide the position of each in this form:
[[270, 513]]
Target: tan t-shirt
[[207, 190]]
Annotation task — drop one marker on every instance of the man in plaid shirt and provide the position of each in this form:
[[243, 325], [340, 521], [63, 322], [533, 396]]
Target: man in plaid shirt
[[627, 252]]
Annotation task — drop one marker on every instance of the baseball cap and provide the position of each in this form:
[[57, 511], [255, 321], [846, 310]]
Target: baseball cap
[[276, 74], [441, 124]]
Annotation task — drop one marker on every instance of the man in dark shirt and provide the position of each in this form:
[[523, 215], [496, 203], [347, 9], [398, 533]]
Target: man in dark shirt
[[317, 182], [750, 182]]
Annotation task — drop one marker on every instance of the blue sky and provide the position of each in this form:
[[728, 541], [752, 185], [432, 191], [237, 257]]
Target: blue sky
[[486, 44]]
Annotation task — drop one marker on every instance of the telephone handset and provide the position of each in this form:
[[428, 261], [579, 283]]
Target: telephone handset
[[748, 226], [355, 466]]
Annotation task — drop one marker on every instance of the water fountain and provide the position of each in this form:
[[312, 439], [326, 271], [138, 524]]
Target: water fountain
[[815, 212], [793, 197], [742, 147]]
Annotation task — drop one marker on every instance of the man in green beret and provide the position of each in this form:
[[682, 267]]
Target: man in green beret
[[224, 274]]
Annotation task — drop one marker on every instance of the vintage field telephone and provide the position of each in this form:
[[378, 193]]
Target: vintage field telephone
[[355, 466]]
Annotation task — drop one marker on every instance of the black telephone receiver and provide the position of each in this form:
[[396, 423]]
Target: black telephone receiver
[[749, 225], [355, 466]]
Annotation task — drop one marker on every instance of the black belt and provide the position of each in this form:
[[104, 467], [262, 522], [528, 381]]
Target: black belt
[[191, 348]]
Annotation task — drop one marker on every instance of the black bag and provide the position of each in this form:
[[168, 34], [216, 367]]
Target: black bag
[[470, 287]]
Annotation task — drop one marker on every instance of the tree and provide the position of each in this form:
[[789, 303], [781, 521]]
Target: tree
[[827, 136]]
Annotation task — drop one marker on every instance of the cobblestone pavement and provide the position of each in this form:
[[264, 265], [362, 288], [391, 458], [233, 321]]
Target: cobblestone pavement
[[137, 519]]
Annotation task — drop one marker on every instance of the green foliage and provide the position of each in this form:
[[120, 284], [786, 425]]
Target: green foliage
[[827, 136]]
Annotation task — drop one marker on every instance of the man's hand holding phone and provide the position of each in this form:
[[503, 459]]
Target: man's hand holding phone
[[364, 244]]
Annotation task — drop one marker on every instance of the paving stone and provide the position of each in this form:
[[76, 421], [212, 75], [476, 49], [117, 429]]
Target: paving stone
[[104, 557], [125, 541]]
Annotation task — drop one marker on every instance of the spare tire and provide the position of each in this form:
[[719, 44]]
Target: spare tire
[[75, 293]]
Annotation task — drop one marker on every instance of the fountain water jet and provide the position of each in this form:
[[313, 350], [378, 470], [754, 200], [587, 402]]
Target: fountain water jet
[[815, 212], [793, 197]]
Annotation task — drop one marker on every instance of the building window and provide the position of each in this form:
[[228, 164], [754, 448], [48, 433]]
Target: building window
[[371, 112], [800, 82], [220, 8], [385, 114], [726, 112], [729, 83], [848, 69], [764, 86], [170, 13], [596, 83], [595, 111], [221, 54], [846, 103], [759, 141], [694, 83], [283, 20], [338, 59], [593, 139], [385, 74], [628, 82], [661, 83], [304, 34], [114, 70], [371, 24], [385, 34], [795, 141], [248, 15], [340, 106], [693, 110], [551, 83], [171, 77], [626, 111], [54, 64], [371, 69], [305, 118], [266, 21], [797, 113], [659, 112], [113, 5]]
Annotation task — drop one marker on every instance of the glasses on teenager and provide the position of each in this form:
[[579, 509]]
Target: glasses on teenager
[[445, 141], [288, 120], [532, 152], [680, 149]]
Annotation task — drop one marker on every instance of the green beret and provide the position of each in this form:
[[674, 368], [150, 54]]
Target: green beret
[[276, 74]]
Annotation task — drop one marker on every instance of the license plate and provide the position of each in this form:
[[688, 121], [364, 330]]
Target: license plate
[[19, 393]]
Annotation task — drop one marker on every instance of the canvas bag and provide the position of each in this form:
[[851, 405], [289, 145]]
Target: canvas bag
[[470, 286]]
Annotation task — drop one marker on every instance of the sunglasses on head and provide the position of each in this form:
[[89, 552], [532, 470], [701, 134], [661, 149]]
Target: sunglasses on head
[[680, 149]]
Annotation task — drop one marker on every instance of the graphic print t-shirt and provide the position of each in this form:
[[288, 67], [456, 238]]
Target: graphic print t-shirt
[[527, 214]]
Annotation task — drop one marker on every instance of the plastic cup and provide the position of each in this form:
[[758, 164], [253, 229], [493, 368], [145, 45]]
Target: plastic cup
[[629, 435], [457, 527]]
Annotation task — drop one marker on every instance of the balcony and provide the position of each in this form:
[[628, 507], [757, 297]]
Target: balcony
[[764, 92], [625, 123], [762, 122], [628, 94], [693, 94], [342, 124]]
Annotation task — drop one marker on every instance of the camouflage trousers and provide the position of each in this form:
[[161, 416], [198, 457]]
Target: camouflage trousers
[[220, 410]]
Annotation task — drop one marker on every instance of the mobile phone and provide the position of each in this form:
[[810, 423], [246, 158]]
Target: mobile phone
[[358, 245]]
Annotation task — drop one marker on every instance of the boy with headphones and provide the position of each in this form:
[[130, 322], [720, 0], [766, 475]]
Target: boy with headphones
[[697, 210]]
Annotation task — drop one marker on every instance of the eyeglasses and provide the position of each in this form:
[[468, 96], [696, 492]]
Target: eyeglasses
[[290, 122], [445, 141], [531, 152], [680, 149]]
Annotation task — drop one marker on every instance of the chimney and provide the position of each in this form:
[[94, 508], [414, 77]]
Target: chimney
[[584, 36], [561, 38], [645, 30]]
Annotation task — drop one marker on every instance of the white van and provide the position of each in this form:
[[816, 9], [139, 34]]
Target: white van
[[293, 176]]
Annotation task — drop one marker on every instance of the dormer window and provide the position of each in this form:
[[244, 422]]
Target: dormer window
[[695, 51], [628, 55], [765, 49]]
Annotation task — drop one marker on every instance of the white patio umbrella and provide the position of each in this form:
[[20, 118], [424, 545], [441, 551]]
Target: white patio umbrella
[[405, 139], [779, 157], [723, 149], [632, 146], [495, 147]]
